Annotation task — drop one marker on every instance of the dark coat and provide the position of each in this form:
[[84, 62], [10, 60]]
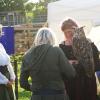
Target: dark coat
[[82, 87], [46, 65]]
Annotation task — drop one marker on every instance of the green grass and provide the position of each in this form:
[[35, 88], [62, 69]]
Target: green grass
[[22, 94]]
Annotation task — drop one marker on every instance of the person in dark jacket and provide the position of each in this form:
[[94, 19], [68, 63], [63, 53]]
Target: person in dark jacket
[[82, 87], [47, 66]]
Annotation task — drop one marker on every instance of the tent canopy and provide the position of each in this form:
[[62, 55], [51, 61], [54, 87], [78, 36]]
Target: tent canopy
[[78, 9], [85, 12]]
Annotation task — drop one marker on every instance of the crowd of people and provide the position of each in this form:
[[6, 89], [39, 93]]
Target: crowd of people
[[56, 73]]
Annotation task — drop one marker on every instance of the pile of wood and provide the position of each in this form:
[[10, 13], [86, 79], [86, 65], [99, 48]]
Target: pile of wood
[[24, 36]]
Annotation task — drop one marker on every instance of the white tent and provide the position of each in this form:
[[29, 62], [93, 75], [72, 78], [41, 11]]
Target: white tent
[[86, 12], [95, 36]]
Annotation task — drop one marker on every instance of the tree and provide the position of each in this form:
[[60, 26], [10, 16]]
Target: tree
[[41, 5], [35, 10], [12, 5]]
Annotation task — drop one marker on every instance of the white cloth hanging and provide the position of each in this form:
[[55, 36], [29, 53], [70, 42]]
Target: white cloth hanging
[[5, 60]]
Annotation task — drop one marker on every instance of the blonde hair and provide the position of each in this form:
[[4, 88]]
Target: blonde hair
[[44, 36]]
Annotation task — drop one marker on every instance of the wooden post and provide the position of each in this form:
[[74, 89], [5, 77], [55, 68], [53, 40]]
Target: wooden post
[[16, 80]]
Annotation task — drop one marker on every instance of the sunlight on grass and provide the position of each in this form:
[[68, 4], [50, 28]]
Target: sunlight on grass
[[24, 95]]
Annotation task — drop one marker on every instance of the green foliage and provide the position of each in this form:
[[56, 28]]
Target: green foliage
[[22, 94], [12, 5], [17, 57], [29, 17], [38, 8]]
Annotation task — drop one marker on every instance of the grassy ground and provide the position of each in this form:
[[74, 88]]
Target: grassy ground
[[22, 94]]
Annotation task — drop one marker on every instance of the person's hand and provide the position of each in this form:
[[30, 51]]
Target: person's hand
[[12, 81], [9, 84]]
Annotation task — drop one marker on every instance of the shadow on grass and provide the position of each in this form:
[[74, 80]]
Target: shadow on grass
[[24, 95]]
